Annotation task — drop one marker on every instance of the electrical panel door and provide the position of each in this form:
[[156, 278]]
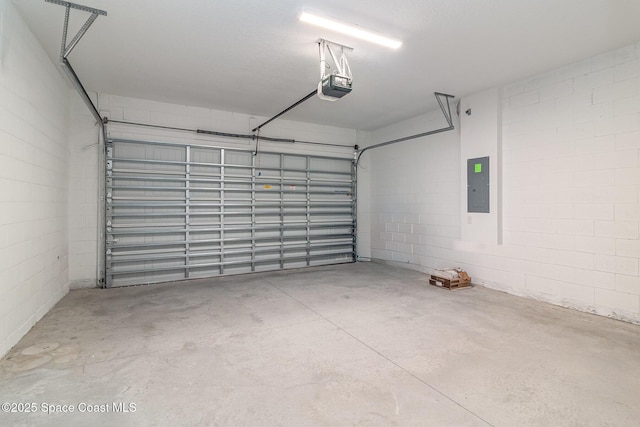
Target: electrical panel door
[[478, 185]]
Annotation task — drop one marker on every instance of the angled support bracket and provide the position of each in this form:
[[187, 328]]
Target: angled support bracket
[[341, 64], [446, 111], [65, 50]]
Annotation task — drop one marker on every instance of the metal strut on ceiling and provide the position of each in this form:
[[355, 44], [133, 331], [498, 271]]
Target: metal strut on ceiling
[[447, 115], [66, 49]]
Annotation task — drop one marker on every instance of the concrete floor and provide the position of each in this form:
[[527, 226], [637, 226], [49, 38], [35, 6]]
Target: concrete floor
[[358, 344]]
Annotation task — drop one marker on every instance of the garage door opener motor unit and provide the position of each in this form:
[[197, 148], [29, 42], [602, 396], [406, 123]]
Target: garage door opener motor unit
[[338, 83]]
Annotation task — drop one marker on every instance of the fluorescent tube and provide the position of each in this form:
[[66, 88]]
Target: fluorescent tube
[[349, 30]]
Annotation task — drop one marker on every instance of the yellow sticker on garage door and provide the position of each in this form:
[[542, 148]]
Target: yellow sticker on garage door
[[267, 187]]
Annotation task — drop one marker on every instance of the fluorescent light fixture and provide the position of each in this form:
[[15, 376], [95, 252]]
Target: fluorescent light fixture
[[349, 30]]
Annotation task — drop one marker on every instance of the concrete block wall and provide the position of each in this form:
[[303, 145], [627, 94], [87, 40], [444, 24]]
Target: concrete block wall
[[571, 191], [481, 136], [85, 147], [571, 141], [415, 203], [34, 122]]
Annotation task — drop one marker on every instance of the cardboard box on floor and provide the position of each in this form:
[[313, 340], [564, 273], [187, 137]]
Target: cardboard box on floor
[[451, 278]]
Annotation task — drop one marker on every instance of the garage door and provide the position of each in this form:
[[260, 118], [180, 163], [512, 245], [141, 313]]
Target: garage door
[[176, 211]]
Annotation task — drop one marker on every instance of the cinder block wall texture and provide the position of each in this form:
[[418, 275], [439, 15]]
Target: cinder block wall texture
[[34, 160], [571, 191]]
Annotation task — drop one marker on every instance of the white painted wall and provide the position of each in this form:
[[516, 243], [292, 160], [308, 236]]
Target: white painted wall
[[481, 136], [415, 188], [34, 161], [571, 191], [84, 194]]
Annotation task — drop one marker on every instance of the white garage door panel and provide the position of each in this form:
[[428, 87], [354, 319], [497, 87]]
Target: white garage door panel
[[177, 211]]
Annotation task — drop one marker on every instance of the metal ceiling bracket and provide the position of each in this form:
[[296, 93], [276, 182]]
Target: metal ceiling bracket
[[77, 6], [446, 111], [340, 65], [66, 49]]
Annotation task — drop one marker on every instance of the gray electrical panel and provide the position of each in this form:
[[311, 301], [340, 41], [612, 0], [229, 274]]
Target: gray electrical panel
[[478, 185]]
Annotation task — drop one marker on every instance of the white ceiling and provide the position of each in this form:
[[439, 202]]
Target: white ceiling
[[255, 57]]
